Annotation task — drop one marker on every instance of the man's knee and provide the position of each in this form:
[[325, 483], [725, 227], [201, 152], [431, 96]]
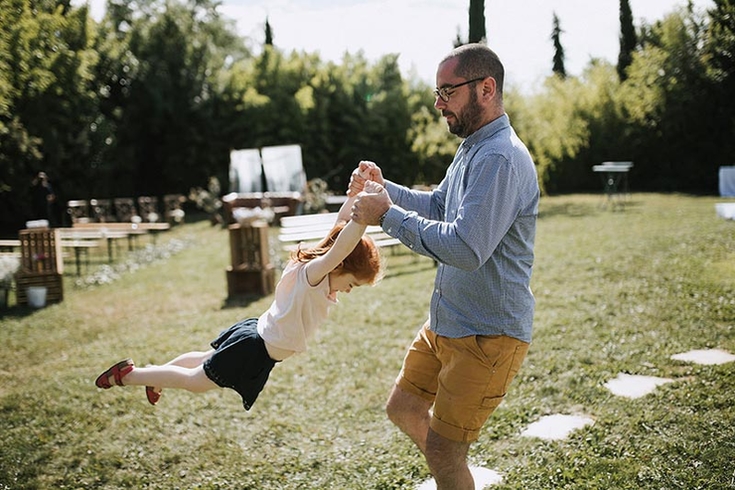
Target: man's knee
[[403, 406], [446, 458], [395, 410]]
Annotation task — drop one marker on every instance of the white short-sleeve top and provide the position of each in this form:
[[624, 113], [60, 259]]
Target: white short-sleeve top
[[297, 309]]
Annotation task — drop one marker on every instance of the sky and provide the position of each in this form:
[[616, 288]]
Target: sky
[[421, 32]]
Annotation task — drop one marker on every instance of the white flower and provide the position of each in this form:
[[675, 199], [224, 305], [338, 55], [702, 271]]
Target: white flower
[[8, 267]]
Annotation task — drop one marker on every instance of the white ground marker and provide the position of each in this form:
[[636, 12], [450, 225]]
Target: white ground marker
[[554, 427], [483, 478], [705, 356], [634, 386]]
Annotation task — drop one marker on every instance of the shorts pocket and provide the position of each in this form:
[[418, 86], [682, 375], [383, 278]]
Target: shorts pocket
[[488, 349]]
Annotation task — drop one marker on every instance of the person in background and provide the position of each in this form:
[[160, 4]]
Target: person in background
[[43, 199], [242, 356], [479, 225]]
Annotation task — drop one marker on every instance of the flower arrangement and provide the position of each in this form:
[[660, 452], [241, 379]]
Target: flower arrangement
[[177, 215], [208, 200], [8, 267], [39, 260], [246, 216]]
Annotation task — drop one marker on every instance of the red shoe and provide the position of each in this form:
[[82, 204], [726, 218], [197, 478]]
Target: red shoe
[[118, 372], [152, 395]]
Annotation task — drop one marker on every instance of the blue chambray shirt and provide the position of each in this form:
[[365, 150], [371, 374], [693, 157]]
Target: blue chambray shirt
[[480, 225]]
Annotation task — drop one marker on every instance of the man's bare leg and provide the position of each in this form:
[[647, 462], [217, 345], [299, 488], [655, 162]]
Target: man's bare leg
[[447, 459]]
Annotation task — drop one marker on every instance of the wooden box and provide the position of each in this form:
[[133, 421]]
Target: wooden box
[[40, 251], [242, 282], [51, 280], [249, 246]]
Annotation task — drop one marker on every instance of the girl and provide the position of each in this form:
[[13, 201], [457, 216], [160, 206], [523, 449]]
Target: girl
[[243, 356]]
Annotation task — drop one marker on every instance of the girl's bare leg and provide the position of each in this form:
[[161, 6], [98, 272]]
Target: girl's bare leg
[[171, 376], [191, 359], [186, 360]]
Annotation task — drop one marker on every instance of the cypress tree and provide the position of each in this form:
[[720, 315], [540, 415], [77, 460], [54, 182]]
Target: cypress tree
[[558, 67], [268, 33], [628, 39], [477, 21]]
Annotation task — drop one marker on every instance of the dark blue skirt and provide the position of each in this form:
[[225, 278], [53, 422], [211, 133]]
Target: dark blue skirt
[[240, 361]]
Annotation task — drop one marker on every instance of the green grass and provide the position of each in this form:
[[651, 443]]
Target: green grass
[[616, 292]]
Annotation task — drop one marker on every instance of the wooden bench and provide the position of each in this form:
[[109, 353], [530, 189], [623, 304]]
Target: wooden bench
[[310, 229], [95, 235], [9, 245], [80, 247], [125, 226], [132, 230]]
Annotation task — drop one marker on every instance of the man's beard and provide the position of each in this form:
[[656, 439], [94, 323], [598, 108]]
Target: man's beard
[[468, 120]]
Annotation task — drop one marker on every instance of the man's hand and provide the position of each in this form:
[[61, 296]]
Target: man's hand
[[370, 204], [365, 171]]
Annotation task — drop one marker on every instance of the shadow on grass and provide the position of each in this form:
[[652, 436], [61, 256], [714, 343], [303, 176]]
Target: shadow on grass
[[240, 301], [573, 209], [417, 264], [19, 311], [577, 209]]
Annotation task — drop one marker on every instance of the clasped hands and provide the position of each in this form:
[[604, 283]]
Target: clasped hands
[[372, 201]]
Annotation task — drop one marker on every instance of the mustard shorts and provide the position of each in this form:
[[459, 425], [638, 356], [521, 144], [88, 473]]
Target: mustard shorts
[[465, 378]]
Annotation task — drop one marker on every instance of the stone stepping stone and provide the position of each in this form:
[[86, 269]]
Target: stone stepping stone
[[634, 386], [555, 427], [483, 478], [705, 356]]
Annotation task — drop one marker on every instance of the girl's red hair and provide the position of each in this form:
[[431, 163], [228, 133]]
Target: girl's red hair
[[364, 262]]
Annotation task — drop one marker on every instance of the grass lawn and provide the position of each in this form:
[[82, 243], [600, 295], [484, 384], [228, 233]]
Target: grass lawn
[[616, 292]]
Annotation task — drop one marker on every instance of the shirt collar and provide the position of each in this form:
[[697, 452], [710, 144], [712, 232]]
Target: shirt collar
[[486, 131]]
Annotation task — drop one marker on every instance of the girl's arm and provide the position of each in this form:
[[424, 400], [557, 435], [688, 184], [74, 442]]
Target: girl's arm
[[343, 215], [348, 238], [362, 172]]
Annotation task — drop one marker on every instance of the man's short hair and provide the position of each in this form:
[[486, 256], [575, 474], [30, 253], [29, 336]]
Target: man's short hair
[[476, 60]]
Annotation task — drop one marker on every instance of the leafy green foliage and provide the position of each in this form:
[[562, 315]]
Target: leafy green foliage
[[46, 95], [670, 116], [152, 99]]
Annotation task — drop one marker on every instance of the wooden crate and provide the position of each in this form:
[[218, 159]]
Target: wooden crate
[[40, 251], [51, 280], [242, 281], [249, 247]]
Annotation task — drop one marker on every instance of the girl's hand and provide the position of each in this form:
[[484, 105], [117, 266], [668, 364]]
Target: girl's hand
[[372, 187], [370, 204], [365, 171]]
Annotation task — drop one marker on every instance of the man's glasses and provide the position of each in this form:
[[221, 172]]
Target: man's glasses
[[445, 92]]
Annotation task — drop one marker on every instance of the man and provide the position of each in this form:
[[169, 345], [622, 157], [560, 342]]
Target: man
[[43, 199], [479, 224]]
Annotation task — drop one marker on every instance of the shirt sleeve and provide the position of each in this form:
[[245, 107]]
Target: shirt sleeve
[[485, 210]]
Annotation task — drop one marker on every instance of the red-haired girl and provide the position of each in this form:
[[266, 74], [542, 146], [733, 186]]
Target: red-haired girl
[[243, 356]]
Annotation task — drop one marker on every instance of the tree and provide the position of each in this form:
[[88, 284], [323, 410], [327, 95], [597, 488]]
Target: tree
[[163, 71], [268, 33], [670, 109], [47, 98], [556, 31], [628, 40], [721, 60], [477, 21]]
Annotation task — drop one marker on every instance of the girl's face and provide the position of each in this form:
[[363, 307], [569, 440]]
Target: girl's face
[[342, 282]]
